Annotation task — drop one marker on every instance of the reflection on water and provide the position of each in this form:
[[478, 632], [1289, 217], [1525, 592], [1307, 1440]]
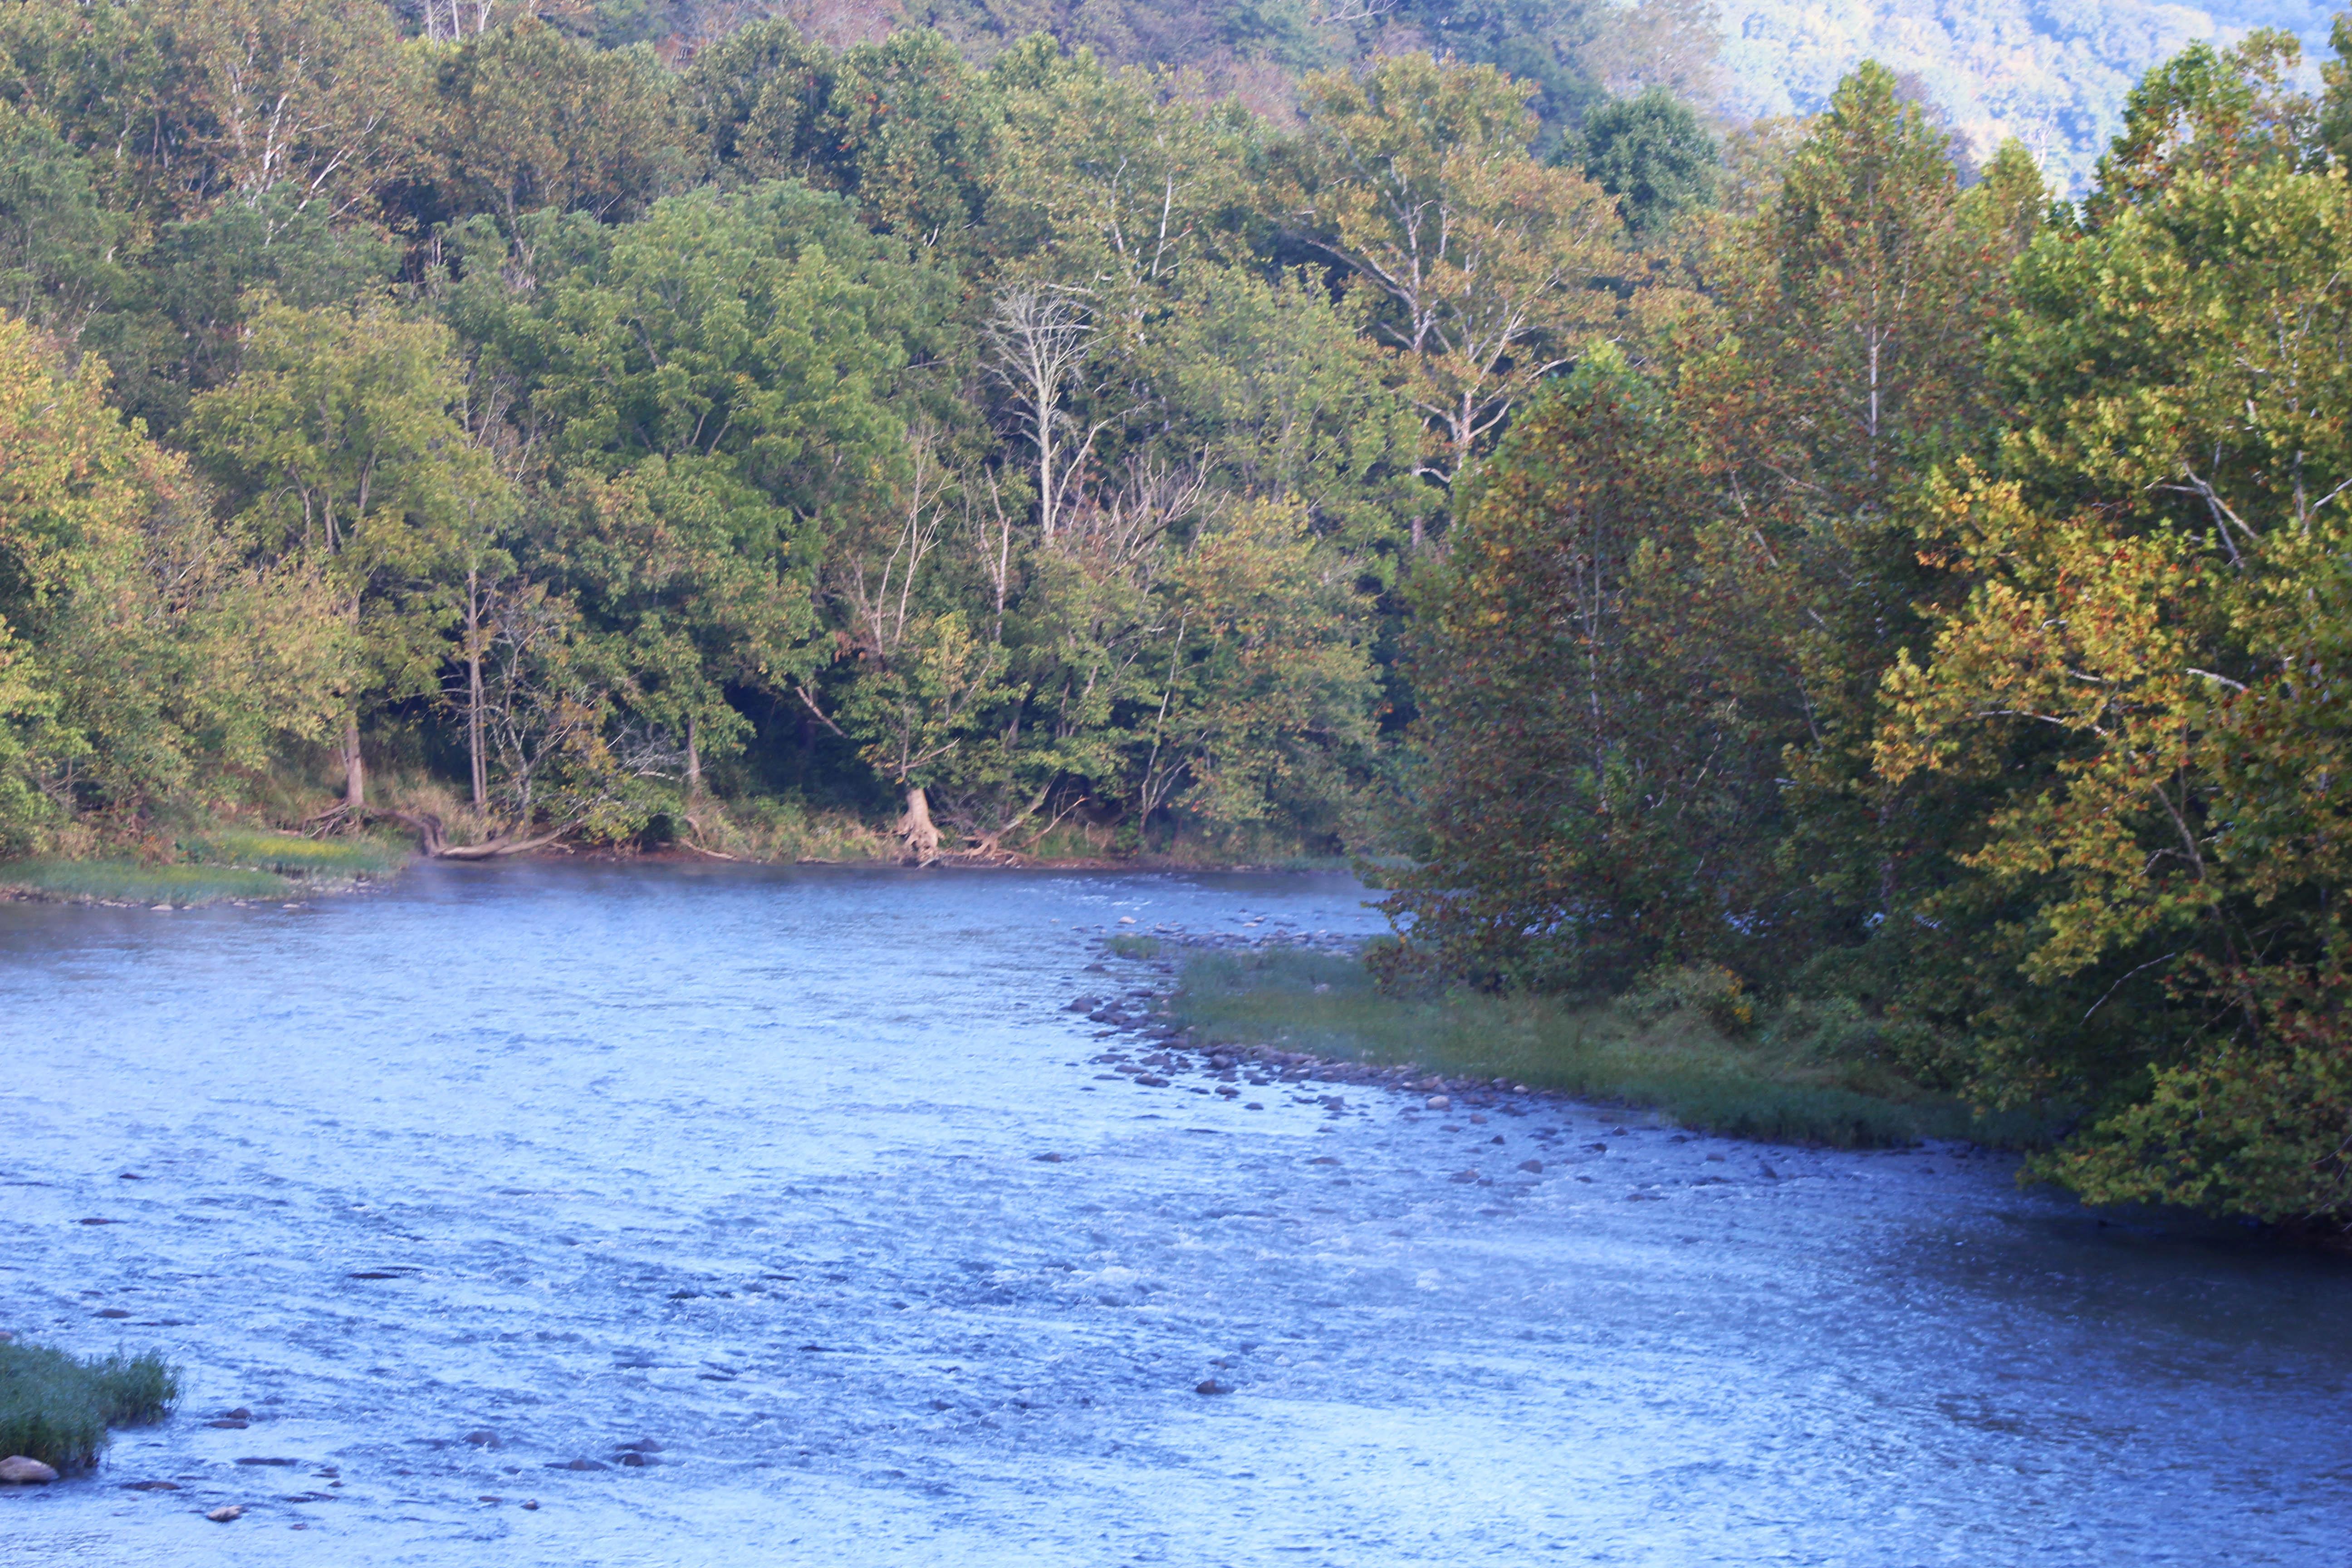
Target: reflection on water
[[723, 1185]]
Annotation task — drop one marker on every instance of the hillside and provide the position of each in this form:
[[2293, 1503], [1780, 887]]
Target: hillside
[[2052, 73]]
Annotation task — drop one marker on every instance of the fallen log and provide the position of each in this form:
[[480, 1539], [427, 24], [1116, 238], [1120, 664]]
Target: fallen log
[[433, 839]]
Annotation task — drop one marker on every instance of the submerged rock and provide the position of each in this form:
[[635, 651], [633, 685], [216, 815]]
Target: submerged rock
[[226, 1512], [19, 1470], [1439, 1102]]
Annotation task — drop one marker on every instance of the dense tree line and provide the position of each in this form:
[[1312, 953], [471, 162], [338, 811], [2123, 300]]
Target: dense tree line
[[1943, 628], [992, 446]]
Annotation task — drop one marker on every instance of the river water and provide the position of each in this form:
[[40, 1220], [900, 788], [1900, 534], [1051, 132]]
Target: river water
[[499, 1169]]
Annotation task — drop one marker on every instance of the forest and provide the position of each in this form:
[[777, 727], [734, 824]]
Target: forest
[[742, 444], [1790, 561]]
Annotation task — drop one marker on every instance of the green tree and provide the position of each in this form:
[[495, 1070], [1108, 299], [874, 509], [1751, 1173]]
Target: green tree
[[523, 117], [1651, 152], [339, 439], [2139, 689], [1475, 261], [140, 654]]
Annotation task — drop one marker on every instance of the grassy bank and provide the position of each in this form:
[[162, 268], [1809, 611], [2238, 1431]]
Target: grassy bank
[[57, 1409], [222, 863], [1784, 1086]]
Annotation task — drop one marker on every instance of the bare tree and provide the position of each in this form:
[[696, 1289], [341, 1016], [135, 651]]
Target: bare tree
[[1038, 337], [881, 594]]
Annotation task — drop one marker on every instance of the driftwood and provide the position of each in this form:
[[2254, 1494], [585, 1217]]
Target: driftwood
[[432, 839]]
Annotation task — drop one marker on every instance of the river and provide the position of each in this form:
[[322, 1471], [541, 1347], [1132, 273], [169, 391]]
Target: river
[[727, 1183]]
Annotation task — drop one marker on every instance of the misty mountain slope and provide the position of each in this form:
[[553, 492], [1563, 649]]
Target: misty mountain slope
[[2052, 73]]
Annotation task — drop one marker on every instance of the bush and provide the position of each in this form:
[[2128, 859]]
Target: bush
[[57, 1409], [1710, 990]]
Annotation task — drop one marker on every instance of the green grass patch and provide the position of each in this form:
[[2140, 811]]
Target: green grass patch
[[131, 881], [1136, 946], [57, 1409], [1763, 1086], [293, 855]]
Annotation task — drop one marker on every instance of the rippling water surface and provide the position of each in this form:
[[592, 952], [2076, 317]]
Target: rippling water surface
[[504, 1168]]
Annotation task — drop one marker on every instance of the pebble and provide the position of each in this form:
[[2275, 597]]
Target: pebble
[[1439, 1102], [226, 1512], [19, 1470], [1211, 1385]]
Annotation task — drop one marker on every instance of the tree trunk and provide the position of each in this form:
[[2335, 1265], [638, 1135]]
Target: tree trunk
[[693, 759], [474, 673], [355, 770], [922, 835]]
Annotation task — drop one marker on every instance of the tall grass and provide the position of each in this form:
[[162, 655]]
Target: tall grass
[[1769, 1088], [134, 881], [57, 1409], [293, 855]]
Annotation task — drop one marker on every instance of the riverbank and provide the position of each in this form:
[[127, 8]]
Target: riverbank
[[1301, 1004], [228, 864]]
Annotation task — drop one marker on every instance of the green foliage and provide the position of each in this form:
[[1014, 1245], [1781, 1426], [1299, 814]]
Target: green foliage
[[2011, 583], [1651, 152], [57, 1409]]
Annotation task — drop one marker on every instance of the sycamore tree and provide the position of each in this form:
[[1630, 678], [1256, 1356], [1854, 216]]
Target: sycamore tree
[[1476, 261], [2142, 684]]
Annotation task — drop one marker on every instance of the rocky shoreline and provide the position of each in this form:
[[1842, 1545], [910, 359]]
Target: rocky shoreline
[[1160, 1052]]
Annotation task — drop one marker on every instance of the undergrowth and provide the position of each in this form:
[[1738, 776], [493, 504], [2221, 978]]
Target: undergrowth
[[1776, 1086], [57, 1408]]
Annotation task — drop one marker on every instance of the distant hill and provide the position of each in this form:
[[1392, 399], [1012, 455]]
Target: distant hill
[[2052, 73]]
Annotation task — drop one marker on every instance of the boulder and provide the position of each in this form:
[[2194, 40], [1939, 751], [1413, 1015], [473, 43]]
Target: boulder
[[17, 1470]]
